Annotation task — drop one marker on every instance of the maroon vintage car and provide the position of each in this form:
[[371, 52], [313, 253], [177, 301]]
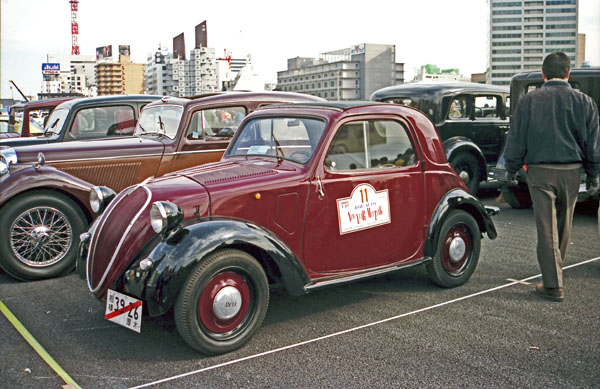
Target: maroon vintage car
[[44, 188], [22, 124], [306, 196]]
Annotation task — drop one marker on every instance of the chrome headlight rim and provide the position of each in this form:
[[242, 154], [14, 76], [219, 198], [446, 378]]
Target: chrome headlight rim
[[165, 216], [8, 157], [100, 197]]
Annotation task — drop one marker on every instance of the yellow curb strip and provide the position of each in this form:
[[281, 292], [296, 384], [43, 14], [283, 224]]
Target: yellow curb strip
[[37, 347]]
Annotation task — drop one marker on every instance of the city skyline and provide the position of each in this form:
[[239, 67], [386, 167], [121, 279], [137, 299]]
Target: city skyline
[[454, 36]]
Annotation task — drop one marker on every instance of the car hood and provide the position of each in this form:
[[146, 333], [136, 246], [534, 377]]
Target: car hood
[[69, 151]]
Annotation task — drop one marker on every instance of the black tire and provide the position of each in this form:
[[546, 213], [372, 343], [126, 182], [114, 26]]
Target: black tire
[[517, 197], [239, 282], [457, 250], [39, 235], [467, 168]]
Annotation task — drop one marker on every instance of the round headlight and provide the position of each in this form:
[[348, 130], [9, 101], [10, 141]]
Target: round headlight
[[165, 216], [3, 168], [100, 197]]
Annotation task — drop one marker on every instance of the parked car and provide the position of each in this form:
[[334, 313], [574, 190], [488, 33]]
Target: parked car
[[11, 127], [28, 119], [471, 119], [89, 118], [306, 196], [587, 80], [44, 188]]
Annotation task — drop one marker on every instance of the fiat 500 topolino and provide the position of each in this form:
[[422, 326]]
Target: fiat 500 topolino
[[306, 196]]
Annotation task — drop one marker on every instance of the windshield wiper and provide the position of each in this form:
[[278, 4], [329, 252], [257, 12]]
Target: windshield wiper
[[48, 132]]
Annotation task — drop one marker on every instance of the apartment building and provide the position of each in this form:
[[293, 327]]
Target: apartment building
[[523, 32], [348, 74]]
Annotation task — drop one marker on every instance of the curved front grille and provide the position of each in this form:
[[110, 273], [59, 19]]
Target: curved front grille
[[111, 231]]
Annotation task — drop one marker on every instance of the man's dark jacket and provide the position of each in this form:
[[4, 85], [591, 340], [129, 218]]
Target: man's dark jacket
[[554, 124]]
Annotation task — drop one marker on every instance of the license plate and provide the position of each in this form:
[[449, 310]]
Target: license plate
[[124, 310]]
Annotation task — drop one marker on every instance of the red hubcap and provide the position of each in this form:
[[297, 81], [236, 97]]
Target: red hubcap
[[455, 250], [219, 308]]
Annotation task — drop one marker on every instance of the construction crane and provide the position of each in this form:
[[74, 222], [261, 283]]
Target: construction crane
[[74, 27]]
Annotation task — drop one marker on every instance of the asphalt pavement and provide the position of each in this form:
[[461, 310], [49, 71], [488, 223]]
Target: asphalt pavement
[[400, 330]]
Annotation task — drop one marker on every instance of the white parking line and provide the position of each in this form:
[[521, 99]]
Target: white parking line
[[523, 281]]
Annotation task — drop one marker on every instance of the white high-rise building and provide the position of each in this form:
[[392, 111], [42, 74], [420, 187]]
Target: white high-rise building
[[523, 32]]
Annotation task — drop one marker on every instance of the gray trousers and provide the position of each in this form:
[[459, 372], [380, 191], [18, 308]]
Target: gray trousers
[[553, 190]]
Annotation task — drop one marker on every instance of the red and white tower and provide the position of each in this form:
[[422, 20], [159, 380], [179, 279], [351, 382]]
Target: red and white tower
[[74, 28]]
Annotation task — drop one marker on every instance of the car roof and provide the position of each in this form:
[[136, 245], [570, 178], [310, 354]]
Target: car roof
[[106, 99], [536, 75], [42, 103], [334, 105], [434, 90], [266, 96]]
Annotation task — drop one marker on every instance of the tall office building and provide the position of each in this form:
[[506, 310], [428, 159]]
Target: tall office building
[[523, 32], [348, 74]]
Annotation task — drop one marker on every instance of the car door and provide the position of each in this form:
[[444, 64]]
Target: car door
[[366, 203], [489, 123], [207, 135]]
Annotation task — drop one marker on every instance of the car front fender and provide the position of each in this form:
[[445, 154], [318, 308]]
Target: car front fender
[[461, 144], [175, 257], [26, 178], [459, 199]]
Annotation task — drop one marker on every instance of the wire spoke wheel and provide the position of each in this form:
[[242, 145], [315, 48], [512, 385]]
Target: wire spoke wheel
[[40, 236]]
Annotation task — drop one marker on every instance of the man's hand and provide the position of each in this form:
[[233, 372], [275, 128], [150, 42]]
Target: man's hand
[[592, 185], [511, 179]]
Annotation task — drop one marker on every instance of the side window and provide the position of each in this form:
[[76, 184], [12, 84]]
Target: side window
[[101, 122], [373, 144], [215, 122], [458, 108], [486, 107]]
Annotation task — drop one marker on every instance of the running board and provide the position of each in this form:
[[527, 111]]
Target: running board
[[358, 276]]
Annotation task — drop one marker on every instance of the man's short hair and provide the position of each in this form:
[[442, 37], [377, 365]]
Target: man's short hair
[[556, 65]]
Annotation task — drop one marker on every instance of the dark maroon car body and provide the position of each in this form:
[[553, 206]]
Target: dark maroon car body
[[285, 212], [70, 169]]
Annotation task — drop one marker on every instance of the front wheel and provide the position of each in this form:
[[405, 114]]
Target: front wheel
[[39, 233], [223, 302], [467, 168], [457, 251]]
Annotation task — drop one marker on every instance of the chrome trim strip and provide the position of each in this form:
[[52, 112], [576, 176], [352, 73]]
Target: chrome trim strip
[[367, 274], [103, 158], [112, 260], [133, 156], [197, 151]]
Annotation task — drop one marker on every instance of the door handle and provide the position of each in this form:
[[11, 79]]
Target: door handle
[[320, 191]]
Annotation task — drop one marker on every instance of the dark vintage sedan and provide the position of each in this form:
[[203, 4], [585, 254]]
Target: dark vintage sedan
[[306, 196], [471, 119], [87, 118], [44, 188], [586, 80]]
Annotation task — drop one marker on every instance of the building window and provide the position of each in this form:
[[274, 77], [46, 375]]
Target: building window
[[557, 18]]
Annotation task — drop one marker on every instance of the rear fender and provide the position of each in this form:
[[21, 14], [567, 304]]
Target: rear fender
[[173, 259], [459, 199]]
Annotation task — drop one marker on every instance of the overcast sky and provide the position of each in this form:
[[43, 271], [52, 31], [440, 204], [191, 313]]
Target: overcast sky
[[450, 34]]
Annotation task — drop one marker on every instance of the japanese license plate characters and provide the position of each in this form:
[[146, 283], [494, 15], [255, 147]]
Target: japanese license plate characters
[[124, 310], [365, 208]]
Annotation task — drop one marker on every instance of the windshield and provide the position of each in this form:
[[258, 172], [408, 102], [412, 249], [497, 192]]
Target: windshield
[[281, 137], [55, 122], [159, 119]]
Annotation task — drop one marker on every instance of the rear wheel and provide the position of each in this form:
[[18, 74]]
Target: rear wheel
[[457, 251], [39, 234], [467, 168], [223, 302]]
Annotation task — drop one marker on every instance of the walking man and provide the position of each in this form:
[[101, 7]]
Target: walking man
[[555, 132]]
